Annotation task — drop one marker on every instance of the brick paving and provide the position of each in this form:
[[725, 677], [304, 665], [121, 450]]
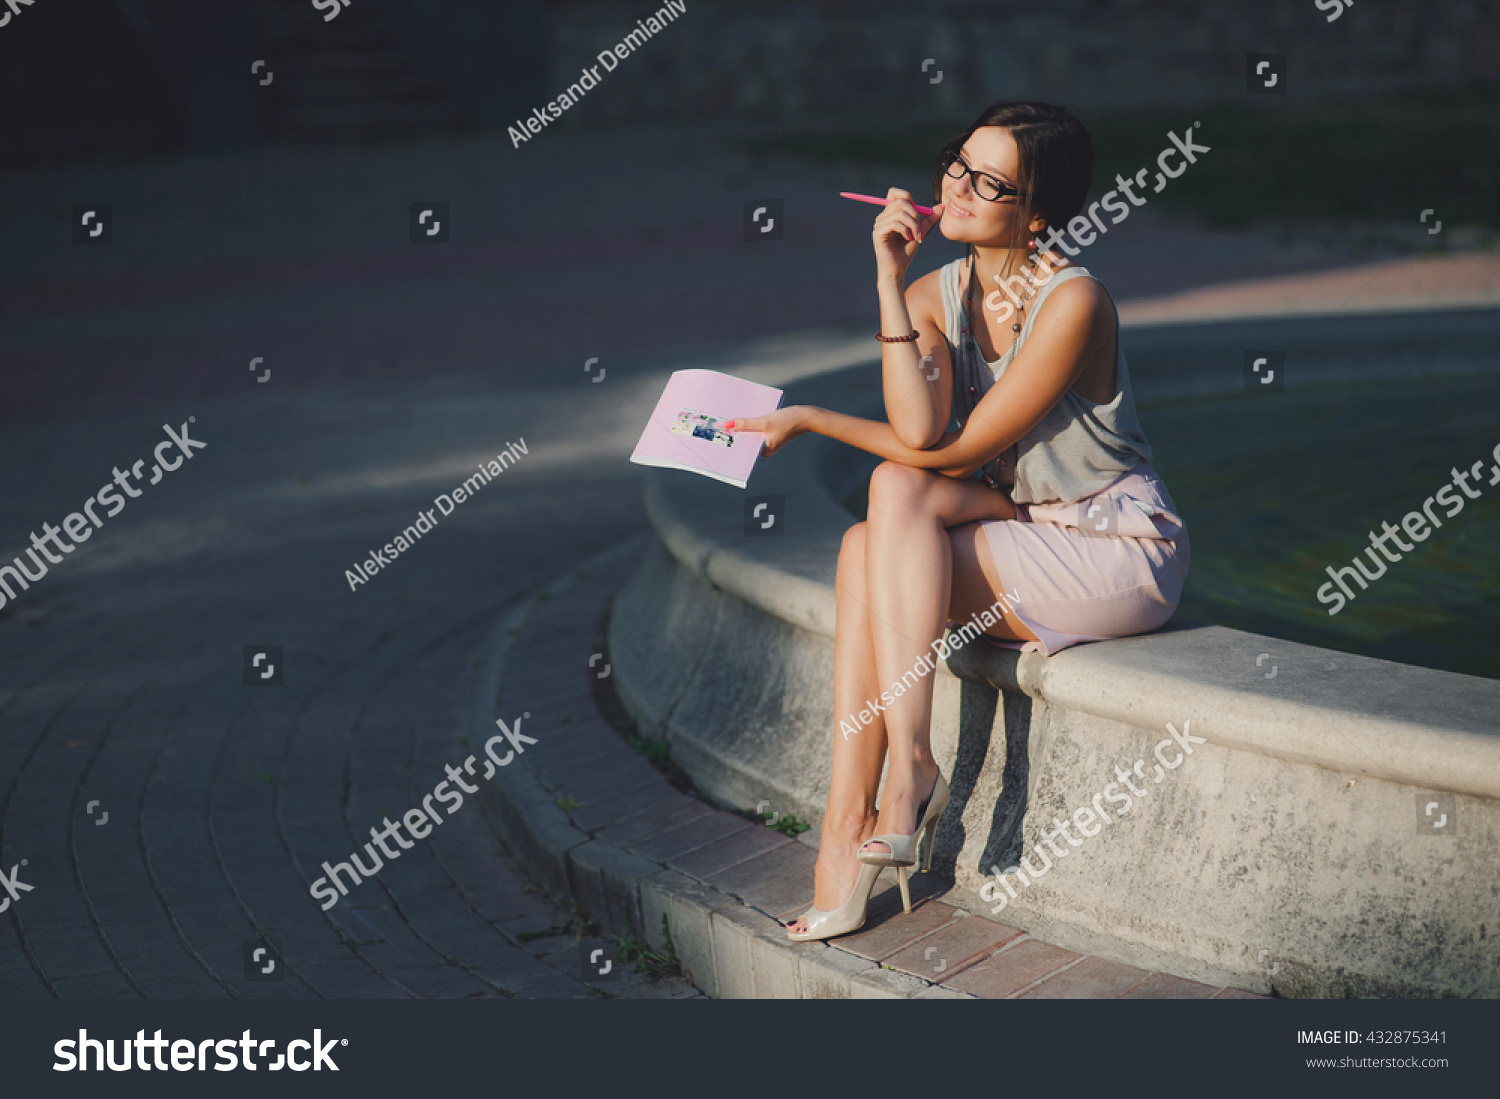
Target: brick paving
[[121, 684]]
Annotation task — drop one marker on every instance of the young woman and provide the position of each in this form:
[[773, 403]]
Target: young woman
[[1043, 504]]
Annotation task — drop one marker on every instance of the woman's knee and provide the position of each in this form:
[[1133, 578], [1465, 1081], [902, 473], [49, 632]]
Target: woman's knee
[[896, 486]]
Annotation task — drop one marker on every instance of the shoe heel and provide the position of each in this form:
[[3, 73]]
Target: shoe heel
[[931, 839], [902, 872]]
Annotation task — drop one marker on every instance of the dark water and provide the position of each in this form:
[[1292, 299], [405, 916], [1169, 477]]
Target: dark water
[[1277, 486]]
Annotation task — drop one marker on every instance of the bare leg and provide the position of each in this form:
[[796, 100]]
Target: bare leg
[[850, 817], [910, 580]]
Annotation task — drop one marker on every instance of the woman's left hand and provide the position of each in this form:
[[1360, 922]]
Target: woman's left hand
[[779, 427]]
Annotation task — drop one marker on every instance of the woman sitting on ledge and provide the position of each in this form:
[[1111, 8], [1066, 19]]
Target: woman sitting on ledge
[[1043, 504]]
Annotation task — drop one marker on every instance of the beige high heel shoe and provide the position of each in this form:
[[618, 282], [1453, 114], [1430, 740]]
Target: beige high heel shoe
[[905, 849], [847, 917]]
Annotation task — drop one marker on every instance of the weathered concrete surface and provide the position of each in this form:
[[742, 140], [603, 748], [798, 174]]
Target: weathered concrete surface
[[1290, 850]]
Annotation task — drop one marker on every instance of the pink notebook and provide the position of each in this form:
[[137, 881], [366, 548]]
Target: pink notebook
[[686, 430]]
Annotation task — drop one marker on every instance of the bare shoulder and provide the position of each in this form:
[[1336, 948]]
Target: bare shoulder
[[1081, 302]]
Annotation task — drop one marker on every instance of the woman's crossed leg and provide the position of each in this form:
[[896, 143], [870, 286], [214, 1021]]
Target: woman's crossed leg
[[918, 560]]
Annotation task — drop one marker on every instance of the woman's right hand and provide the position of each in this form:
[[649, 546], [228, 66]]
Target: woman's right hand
[[898, 233]]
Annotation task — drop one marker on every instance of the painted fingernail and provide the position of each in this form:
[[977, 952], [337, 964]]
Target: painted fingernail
[[728, 425]]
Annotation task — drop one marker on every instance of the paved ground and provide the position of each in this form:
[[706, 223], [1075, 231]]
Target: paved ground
[[394, 369], [123, 685]]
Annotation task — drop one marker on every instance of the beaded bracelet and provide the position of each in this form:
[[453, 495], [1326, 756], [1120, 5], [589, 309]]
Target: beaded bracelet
[[897, 339]]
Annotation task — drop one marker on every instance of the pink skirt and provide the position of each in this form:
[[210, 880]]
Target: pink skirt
[[1110, 565]]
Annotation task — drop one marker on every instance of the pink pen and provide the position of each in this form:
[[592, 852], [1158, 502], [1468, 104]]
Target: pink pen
[[873, 201]]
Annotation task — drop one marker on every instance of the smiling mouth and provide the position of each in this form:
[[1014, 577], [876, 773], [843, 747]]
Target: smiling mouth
[[959, 210]]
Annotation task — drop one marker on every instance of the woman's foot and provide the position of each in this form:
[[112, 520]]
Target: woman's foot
[[900, 802], [837, 869]]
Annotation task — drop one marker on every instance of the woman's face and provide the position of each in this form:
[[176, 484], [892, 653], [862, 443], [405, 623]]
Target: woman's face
[[967, 217]]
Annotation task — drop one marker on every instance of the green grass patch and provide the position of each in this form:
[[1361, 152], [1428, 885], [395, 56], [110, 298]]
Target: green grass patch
[[655, 751], [654, 965], [788, 825]]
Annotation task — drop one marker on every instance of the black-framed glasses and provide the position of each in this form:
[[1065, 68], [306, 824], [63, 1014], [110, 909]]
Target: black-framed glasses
[[985, 185]]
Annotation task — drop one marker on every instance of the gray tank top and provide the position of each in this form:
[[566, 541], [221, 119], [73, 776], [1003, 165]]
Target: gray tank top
[[1079, 448]]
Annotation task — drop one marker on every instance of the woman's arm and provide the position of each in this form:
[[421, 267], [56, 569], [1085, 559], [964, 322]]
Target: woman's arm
[[1076, 324], [916, 377]]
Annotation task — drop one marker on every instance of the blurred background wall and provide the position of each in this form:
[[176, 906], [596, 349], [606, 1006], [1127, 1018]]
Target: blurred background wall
[[159, 77]]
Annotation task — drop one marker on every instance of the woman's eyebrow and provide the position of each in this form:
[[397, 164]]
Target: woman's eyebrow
[[985, 167]]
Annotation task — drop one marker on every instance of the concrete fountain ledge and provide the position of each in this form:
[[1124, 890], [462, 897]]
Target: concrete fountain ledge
[[1295, 850]]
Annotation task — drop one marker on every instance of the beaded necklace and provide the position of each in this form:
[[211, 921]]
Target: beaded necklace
[[972, 310]]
